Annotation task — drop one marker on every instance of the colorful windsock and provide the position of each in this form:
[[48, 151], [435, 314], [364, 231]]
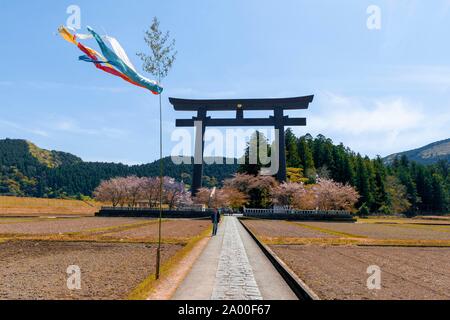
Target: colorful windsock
[[113, 60]]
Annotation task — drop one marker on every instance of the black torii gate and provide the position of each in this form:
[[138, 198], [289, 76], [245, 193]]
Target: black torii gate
[[278, 121]]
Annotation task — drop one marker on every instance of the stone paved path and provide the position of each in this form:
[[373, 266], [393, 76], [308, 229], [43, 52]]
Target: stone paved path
[[233, 267], [234, 277]]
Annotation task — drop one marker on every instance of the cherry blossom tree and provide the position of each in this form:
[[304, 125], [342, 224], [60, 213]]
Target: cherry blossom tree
[[210, 199], [234, 198], [286, 193], [150, 190], [130, 190], [258, 188], [110, 191], [133, 186], [172, 191], [203, 196], [306, 200], [184, 200], [332, 195]]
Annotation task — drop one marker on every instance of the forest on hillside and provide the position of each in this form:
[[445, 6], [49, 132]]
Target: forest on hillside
[[26, 170], [402, 186]]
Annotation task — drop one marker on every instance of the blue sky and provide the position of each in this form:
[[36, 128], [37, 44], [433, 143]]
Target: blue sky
[[377, 91]]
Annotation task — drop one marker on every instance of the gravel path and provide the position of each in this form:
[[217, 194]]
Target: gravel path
[[233, 267], [234, 278]]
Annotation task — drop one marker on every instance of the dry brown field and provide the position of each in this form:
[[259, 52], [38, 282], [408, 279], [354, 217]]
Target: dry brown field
[[333, 258], [23, 207], [116, 256]]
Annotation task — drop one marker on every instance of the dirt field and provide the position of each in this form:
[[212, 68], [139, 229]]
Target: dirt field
[[429, 220], [37, 270], [332, 258], [341, 272], [64, 225], [386, 231], [172, 229], [35, 254], [273, 228]]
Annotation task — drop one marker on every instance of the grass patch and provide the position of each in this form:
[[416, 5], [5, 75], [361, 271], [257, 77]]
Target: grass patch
[[329, 231], [94, 235], [113, 229], [406, 221], [89, 238], [146, 287], [6, 220], [63, 238], [381, 221], [438, 228], [407, 243], [357, 242], [41, 206], [19, 220], [306, 241]]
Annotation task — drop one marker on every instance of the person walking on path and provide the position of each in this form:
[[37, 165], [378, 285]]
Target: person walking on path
[[215, 218]]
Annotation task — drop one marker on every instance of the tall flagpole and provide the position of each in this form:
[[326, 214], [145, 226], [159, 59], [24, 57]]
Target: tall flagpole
[[158, 63], [161, 176]]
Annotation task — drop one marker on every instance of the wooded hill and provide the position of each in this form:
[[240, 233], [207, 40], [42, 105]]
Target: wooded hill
[[401, 186], [27, 170]]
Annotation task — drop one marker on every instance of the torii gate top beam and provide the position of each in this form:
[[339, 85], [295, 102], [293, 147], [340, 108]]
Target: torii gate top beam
[[245, 104]]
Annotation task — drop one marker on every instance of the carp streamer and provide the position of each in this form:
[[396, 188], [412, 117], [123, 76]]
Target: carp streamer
[[113, 59]]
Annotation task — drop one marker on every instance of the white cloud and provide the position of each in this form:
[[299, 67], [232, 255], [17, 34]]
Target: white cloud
[[18, 127], [355, 116], [49, 85], [71, 126], [432, 76], [191, 93], [445, 7], [375, 126], [6, 83]]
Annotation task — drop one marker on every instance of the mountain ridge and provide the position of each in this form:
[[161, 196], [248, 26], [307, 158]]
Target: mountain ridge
[[428, 154]]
